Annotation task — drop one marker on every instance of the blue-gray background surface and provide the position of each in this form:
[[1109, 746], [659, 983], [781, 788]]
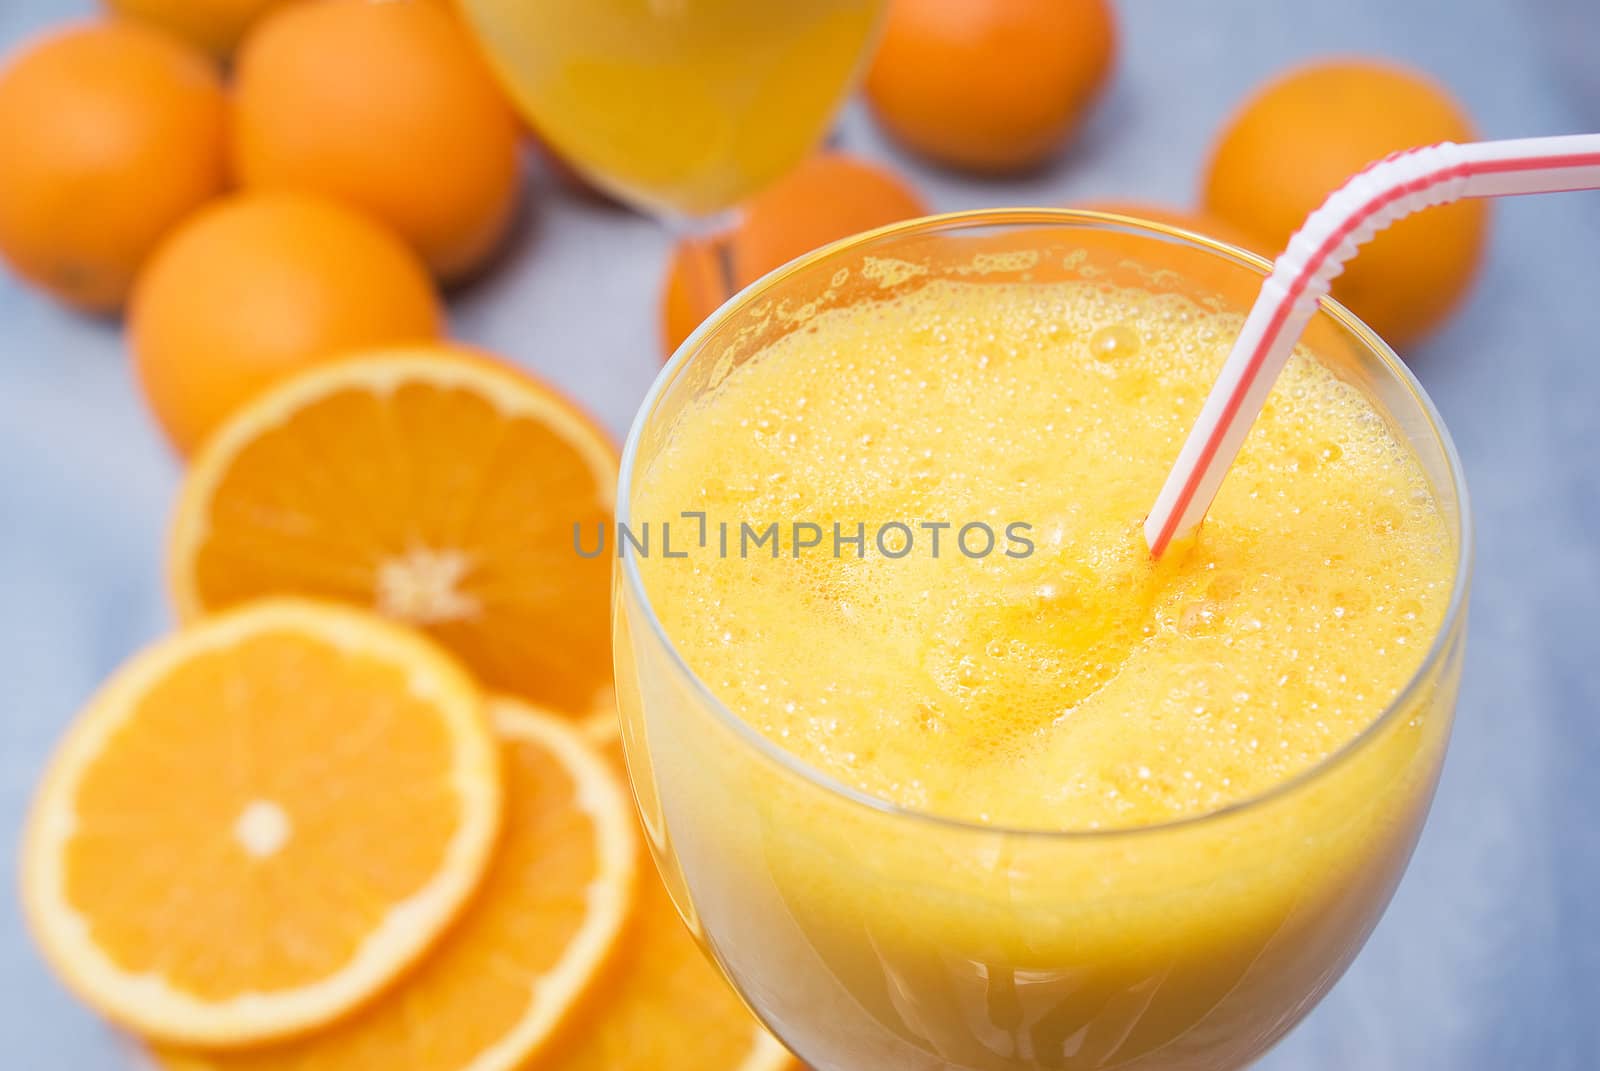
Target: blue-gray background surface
[[1490, 956]]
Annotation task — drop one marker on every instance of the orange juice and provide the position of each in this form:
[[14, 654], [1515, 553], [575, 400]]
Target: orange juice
[[1032, 800], [1058, 679], [682, 106]]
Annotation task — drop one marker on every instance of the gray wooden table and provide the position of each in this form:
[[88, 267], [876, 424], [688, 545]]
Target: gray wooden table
[[1490, 956]]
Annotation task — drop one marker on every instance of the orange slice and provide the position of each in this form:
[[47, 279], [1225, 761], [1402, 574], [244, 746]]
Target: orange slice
[[257, 823], [663, 1005], [503, 979], [433, 485]]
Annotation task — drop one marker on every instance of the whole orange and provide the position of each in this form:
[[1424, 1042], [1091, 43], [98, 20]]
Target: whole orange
[[110, 133], [260, 285], [214, 25], [990, 85], [830, 196], [387, 106], [1301, 137]]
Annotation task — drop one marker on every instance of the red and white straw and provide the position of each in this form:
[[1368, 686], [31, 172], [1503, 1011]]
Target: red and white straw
[[1388, 190]]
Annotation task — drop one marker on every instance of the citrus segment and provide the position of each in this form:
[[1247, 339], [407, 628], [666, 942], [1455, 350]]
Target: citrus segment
[[549, 913], [437, 487], [258, 822]]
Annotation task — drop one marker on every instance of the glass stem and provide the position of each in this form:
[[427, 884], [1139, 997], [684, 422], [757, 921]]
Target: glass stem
[[710, 278]]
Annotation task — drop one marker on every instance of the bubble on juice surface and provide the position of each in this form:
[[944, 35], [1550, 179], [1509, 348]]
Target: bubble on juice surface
[[1114, 342]]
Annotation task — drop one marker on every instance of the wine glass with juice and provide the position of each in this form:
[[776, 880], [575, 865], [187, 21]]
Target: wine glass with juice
[[940, 766], [683, 108]]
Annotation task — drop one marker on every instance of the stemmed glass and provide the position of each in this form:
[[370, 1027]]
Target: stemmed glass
[[867, 936], [681, 108]]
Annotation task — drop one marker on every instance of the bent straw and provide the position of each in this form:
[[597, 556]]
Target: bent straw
[[1387, 190]]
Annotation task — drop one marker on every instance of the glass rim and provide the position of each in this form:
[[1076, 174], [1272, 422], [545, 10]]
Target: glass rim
[[792, 765]]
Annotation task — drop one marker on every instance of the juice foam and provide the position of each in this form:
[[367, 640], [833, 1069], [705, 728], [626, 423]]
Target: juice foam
[[1079, 685]]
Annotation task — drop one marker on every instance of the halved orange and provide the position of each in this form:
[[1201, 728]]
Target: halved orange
[[662, 1005], [434, 485], [259, 822], [505, 977]]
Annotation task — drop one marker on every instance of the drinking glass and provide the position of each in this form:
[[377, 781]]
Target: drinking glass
[[680, 107], [873, 938]]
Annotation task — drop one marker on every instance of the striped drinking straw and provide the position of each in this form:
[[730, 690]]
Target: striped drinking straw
[[1388, 190]]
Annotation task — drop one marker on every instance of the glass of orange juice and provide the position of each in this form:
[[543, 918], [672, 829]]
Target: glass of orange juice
[[1030, 800], [680, 107]]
